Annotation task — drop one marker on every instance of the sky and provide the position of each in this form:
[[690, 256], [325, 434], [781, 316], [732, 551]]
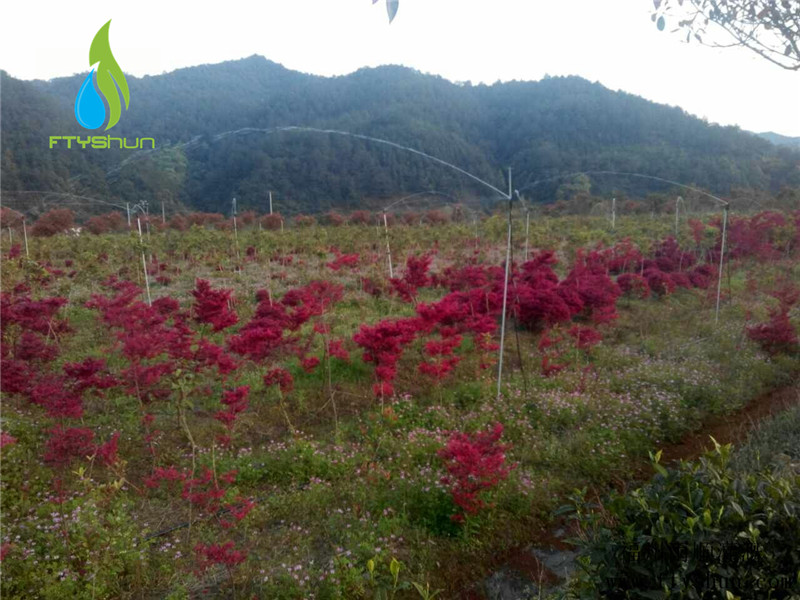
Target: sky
[[482, 41]]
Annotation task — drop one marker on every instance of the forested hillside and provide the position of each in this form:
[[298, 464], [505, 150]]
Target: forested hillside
[[540, 129]]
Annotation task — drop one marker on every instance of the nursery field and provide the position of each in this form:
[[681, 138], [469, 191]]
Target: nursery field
[[248, 413]]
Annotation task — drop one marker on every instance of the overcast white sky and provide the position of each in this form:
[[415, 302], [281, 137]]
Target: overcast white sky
[[610, 41]]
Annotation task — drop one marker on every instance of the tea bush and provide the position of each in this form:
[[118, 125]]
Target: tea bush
[[698, 531]]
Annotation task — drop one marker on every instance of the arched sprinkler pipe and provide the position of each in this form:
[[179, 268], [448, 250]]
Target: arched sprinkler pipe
[[64, 194]]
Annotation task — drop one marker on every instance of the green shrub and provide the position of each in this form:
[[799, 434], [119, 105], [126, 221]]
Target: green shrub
[[698, 531]]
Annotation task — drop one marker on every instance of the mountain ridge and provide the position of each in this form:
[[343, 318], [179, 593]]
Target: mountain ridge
[[539, 128]]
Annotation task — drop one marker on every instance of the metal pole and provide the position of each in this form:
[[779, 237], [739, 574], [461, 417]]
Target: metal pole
[[677, 213], [505, 291], [613, 214], [270, 202], [163, 214], [144, 263], [388, 248], [721, 256], [25, 234], [236, 233], [128, 210], [10, 236], [527, 231]]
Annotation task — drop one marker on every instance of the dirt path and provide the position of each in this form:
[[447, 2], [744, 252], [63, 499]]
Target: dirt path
[[733, 427], [520, 572]]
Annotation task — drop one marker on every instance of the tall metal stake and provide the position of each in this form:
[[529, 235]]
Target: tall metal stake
[[505, 291], [388, 249], [527, 230], [163, 214], [721, 256], [128, 209], [25, 234], [613, 214], [144, 263], [236, 236], [270, 202]]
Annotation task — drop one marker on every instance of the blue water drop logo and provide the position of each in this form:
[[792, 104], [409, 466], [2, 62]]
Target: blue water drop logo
[[89, 108]]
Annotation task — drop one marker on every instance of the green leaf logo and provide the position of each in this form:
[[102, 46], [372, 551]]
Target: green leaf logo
[[109, 75]]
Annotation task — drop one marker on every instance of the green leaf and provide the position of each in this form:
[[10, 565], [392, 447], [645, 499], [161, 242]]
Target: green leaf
[[109, 75], [394, 569]]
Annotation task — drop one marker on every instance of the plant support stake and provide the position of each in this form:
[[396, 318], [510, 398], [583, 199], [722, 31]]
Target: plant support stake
[[721, 257], [25, 235], [505, 290], [527, 230], [388, 249], [236, 236], [144, 263], [613, 214]]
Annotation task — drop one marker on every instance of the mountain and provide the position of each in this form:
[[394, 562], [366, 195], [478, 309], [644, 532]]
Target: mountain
[[780, 140], [205, 120]]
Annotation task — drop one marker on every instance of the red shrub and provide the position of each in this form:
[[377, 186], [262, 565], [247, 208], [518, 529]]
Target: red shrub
[[344, 260], [64, 445], [585, 337], [634, 285], [57, 220], [213, 306], [414, 277], [272, 222], [360, 217], [475, 463], [10, 218], [304, 221], [218, 554], [778, 335], [282, 378], [659, 282], [106, 223], [383, 345], [107, 452]]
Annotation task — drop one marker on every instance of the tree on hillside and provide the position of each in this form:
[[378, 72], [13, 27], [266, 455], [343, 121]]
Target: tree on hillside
[[770, 28]]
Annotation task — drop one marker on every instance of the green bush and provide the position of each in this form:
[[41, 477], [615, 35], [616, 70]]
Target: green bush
[[698, 531]]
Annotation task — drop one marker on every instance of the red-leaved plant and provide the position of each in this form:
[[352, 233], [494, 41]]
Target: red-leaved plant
[[778, 335], [475, 464]]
